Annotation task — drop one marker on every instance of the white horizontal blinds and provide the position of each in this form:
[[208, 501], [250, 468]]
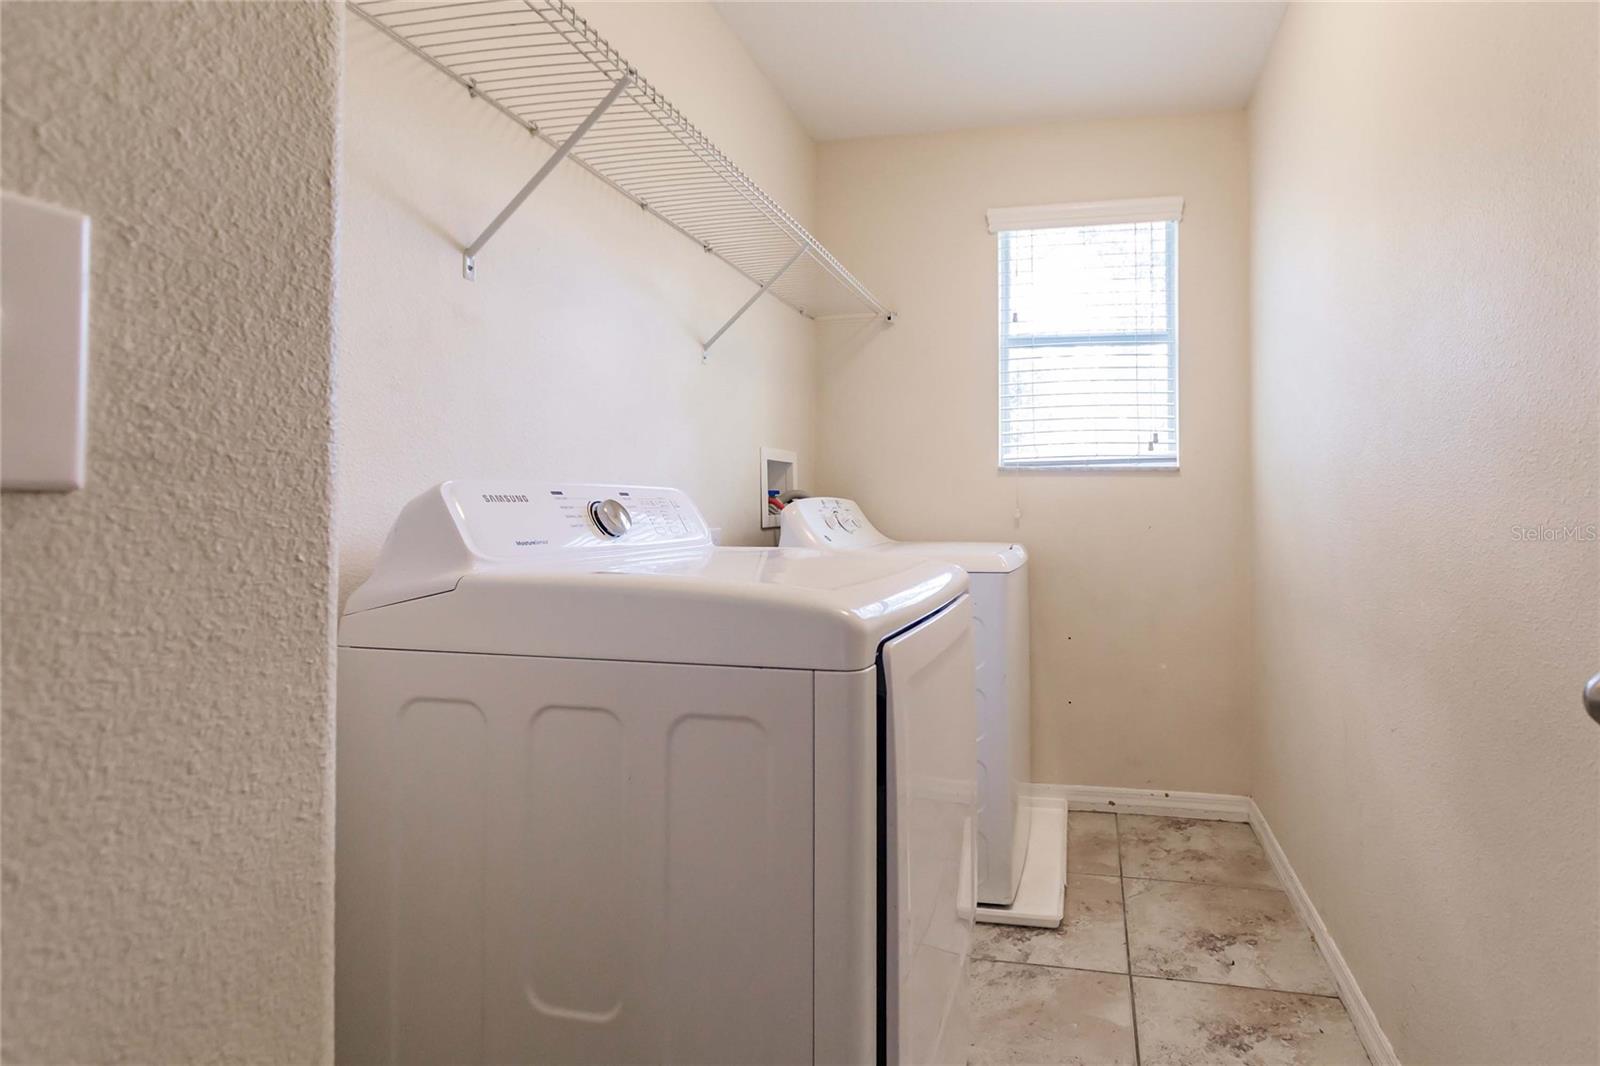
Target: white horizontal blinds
[[1088, 344]]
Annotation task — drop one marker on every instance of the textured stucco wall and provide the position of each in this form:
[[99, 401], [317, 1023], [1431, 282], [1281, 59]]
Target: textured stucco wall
[[167, 701], [575, 355], [1139, 579], [1426, 384]]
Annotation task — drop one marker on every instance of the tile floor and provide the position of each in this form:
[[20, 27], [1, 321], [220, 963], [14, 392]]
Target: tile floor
[[1179, 948]]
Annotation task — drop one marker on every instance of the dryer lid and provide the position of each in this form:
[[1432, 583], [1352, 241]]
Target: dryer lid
[[518, 569]]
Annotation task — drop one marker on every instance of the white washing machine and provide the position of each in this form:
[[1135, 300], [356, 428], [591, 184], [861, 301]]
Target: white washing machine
[[1011, 889], [608, 793]]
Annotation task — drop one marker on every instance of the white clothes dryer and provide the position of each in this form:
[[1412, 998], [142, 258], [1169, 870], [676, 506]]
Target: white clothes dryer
[[608, 793]]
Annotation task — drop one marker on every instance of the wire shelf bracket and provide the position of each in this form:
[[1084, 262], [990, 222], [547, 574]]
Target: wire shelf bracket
[[541, 65], [758, 294], [469, 266]]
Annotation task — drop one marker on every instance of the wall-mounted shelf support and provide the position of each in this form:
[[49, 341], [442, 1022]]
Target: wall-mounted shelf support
[[758, 294], [540, 64], [469, 266]]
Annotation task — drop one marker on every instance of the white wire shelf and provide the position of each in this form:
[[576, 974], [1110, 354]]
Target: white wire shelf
[[542, 66]]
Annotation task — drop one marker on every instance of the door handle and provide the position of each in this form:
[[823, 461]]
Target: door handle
[[1591, 697]]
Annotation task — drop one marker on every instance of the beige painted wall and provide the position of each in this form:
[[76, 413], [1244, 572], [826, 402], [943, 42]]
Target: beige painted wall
[[1139, 588], [1425, 331], [167, 700], [576, 354]]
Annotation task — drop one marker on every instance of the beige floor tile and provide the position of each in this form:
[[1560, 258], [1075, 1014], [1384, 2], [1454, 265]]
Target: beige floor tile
[[1092, 843], [1040, 1014], [1090, 936], [1182, 1024], [1190, 849], [1234, 936]]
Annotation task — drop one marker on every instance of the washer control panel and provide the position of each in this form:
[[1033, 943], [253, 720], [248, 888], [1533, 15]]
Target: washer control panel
[[827, 522]]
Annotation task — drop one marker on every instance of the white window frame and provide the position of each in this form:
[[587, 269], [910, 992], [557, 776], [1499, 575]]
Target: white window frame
[[1168, 209]]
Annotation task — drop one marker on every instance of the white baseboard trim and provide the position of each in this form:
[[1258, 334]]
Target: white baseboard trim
[[1377, 1045], [1213, 806], [1222, 807]]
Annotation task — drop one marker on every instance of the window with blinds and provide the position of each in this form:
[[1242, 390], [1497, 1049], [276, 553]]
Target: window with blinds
[[1089, 334]]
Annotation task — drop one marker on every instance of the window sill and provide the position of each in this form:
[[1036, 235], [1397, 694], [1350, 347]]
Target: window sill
[[1088, 468]]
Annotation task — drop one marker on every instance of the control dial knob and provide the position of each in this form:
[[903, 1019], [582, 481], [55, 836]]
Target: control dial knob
[[610, 517]]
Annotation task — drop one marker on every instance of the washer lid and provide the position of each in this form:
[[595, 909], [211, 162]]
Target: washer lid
[[837, 524], [544, 584], [975, 557]]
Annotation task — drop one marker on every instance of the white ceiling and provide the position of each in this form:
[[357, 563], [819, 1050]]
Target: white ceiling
[[858, 69]]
